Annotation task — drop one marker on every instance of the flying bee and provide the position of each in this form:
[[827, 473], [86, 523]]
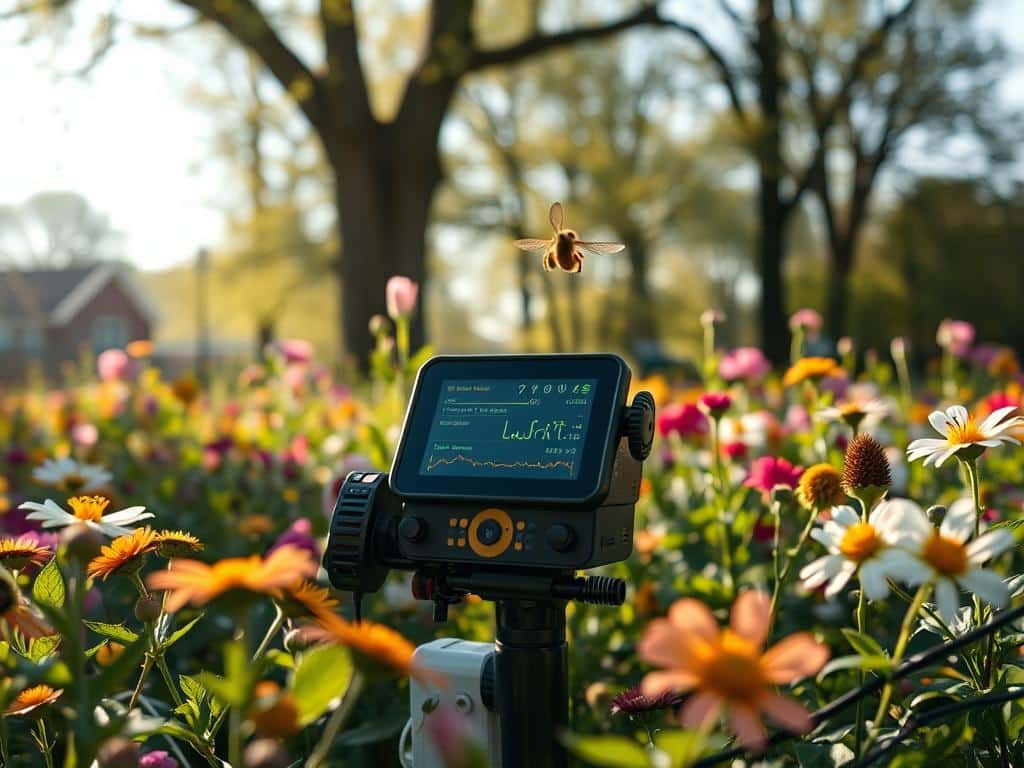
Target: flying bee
[[565, 250]]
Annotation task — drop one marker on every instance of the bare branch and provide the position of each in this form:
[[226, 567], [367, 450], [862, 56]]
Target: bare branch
[[247, 24]]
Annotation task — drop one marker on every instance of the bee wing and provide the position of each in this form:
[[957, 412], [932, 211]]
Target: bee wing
[[600, 247], [532, 244], [556, 216]]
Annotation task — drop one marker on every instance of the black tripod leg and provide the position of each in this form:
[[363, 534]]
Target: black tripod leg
[[531, 682]]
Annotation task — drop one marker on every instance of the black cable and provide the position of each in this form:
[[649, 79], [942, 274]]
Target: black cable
[[910, 666], [934, 715]]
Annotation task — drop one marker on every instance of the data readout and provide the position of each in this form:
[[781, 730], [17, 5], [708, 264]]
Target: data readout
[[515, 428]]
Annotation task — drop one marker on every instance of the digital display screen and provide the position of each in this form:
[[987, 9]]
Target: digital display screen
[[509, 428]]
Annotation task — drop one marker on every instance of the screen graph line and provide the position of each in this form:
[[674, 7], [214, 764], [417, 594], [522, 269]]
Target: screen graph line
[[435, 462]]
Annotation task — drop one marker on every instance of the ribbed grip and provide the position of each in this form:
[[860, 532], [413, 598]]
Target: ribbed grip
[[603, 590]]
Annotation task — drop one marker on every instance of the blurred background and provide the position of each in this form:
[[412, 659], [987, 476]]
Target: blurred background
[[215, 175]]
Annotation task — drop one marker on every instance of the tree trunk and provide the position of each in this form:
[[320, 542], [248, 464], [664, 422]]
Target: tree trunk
[[641, 320], [265, 335], [838, 294], [772, 210]]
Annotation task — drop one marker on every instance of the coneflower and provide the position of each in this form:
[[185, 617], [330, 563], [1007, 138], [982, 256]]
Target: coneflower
[[632, 701], [820, 487], [866, 472]]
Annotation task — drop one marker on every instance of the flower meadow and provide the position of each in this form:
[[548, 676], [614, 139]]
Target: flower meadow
[[826, 567]]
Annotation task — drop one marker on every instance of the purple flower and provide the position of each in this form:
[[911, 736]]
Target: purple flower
[[157, 759], [748, 363], [632, 701], [299, 534]]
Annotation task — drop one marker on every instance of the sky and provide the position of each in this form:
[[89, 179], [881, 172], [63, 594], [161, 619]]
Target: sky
[[128, 139]]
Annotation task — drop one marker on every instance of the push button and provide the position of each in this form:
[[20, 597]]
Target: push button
[[412, 529], [560, 537], [489, 532]]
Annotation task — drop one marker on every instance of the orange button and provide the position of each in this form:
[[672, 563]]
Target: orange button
[[520, 526], [519, 546], [499, 516], [462, 543], [452, 522], [451, 542], [463, 522]]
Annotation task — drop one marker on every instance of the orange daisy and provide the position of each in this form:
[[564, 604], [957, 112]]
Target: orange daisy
[[307, 599], [274, 714], [17, 612], [17, 553], [198, 583], [812, 369], [124, 555], [375, 642], [729, 668], [171, 544], [31, 699]]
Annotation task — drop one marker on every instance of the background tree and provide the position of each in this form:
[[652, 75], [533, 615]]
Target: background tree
[[56, 229]]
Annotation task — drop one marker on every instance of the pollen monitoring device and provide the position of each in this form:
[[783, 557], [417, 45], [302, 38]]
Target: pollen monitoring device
[[513, 472]]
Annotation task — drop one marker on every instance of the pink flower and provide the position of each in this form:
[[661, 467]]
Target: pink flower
[[797, 419], [295, 351], [85, 435], [714, 404], [769, 471], [452, 734], [683, 419], [748, 363], [157, 759], [998, 400], [401, 293], [955, 335], [807, 319], [115, 365], [300, 535], [735, 450]]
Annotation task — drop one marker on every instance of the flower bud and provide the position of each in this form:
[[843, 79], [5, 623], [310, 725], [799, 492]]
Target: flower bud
[[866, 472], [936, 514], [265, 753], [148, 608], [81, 542], [781, 494], [296, 641], [118, 752]]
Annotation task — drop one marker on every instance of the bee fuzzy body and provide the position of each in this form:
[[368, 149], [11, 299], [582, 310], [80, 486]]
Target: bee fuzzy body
[[563, 251]]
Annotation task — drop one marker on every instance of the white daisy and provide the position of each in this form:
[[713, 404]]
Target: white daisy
[[71, 475], [88, 510], [945, 557], [856, 412], [961, 431], [854, 547]]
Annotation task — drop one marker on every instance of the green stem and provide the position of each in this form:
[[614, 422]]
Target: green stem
[[792, 557], [44, 743], [858, 737], [261, 651], [146, 666], [336, 722], [235, 736], [897, 655], [718, 490], [161, 664]]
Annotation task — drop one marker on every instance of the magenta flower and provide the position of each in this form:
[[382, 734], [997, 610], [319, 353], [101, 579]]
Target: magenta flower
[[299, 534], [769, 471], [157, 759], [452, 734], [115, 365], [807, 319], [295, 351], [401, 293], [747, 363], [714, 404], [683, 419], [632, 701], [956, 335]]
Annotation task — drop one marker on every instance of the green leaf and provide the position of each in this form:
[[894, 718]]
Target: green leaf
[[48, 588], [192, 688], [42, 647], [607, 750], [863, 644], [181, 632], [682, 747], [874, 663], [223, 689], [281, 658], [322, 676], [118, 632]]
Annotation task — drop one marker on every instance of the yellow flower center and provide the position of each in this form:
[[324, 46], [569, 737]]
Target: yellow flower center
[[945, 555], [732, 668], [88, 508], [851, 409], [966, 434], [860, 542]]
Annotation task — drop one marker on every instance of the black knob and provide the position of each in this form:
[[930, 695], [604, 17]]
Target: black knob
[[489, 532], [560, 537], [638, 425], [412, 529]]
